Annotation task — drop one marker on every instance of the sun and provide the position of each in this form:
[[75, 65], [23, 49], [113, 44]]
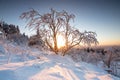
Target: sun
[[60, 41]]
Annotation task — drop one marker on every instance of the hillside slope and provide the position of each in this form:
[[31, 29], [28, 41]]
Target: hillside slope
[[22, 63]]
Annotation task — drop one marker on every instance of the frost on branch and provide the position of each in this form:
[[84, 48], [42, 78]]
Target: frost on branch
[[54, 22]]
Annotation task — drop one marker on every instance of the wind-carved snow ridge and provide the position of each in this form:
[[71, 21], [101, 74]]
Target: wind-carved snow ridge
[[40, 65]]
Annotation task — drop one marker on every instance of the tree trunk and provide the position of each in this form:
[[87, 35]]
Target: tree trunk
[[109, 60], [55, 43]]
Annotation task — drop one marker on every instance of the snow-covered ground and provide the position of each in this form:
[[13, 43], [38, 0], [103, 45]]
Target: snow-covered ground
[[22, 63]]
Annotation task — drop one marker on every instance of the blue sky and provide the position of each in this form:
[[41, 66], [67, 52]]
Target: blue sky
[[101, 16]]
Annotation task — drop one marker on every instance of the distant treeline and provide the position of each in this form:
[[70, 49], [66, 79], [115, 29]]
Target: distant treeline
[[12, 33]]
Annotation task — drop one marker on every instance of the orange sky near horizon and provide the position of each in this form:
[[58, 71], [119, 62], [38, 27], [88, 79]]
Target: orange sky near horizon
[[109, 42]]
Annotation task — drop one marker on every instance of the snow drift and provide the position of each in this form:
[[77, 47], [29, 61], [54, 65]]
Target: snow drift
[[23, 63]]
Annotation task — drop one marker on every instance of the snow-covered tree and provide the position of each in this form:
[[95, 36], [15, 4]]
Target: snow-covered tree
[[12, 33], [54, 23]]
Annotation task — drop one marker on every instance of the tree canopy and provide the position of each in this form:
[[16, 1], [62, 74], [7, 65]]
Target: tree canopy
[[55, 23]]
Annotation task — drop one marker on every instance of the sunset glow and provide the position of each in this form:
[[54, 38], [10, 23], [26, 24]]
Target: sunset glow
[[60, 41], [100, 16]]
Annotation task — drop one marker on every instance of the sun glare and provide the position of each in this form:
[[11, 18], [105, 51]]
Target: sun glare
[[60, 41]]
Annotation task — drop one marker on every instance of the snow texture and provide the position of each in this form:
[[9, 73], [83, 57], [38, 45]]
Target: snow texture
[[22, 63]]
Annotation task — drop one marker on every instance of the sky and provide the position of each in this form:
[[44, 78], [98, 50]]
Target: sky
[[100, 16]]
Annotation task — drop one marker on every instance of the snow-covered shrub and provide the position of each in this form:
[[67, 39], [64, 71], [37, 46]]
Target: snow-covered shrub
[[112, 60], [82, 55], [110, 55], [20, 39], [36, 42], [115, 67]]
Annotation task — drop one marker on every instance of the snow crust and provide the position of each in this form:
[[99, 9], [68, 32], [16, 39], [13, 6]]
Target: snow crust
[[22, 63]]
